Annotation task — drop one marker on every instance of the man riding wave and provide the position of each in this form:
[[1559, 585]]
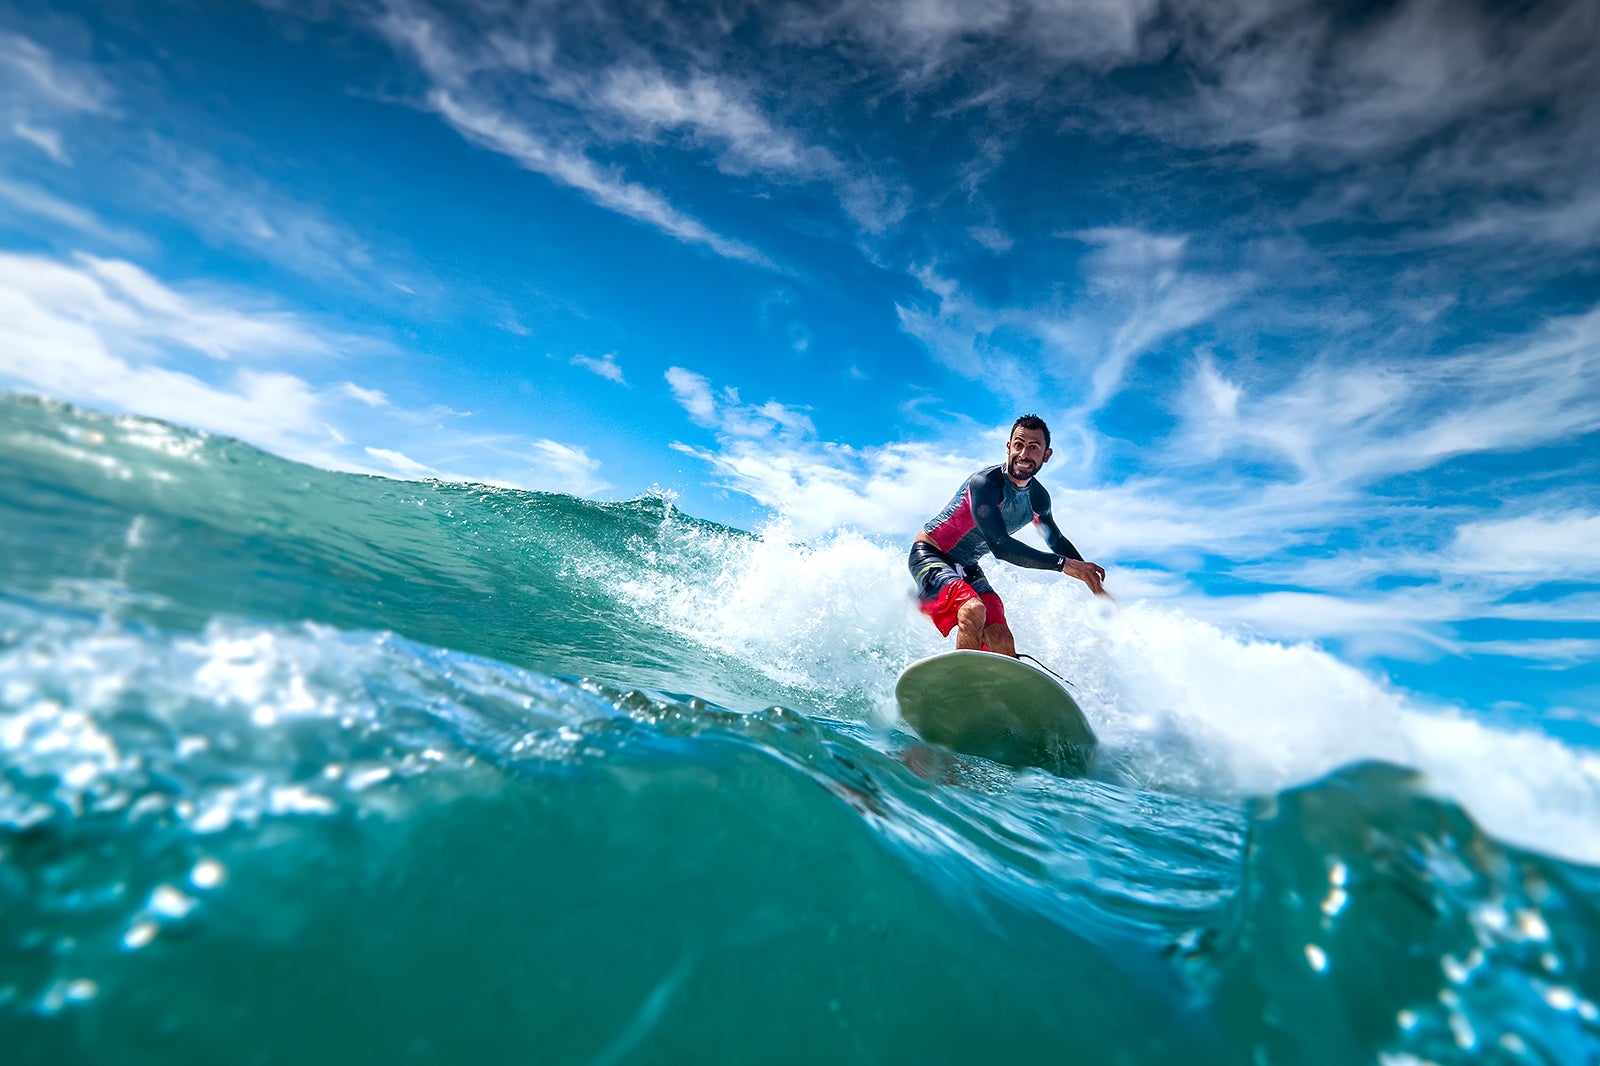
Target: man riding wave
[[979, 520]]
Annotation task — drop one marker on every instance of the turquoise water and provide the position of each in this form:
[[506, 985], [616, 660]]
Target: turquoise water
[[299, 766]]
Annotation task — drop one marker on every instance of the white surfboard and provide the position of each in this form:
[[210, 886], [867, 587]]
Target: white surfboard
[[996, 707]]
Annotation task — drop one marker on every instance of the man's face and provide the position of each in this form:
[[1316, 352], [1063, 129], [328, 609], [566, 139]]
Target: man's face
[[1025, 453]]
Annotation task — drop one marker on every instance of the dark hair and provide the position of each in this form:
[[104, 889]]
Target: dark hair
[[1031, 422]]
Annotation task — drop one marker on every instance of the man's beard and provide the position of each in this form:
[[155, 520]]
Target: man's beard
[[1014, 468]]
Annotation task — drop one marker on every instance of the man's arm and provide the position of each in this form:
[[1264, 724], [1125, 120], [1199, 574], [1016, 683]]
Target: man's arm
[[1046, 521], [1073, 564], [984, 494]]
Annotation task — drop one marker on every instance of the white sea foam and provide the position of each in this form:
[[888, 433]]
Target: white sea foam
[[1179, 703]]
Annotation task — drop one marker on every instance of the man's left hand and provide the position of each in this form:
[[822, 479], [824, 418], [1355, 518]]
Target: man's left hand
[[1090, 574]]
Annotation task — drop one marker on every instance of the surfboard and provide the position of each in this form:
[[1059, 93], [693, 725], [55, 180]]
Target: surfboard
[[996, 707]]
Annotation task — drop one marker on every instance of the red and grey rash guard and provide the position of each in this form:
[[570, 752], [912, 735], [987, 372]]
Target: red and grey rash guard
[[981, 517]]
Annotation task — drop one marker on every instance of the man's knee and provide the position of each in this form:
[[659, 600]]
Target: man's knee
[[972, 613]]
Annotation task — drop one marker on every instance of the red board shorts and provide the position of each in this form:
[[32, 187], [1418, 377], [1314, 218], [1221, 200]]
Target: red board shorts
[[943, 586]]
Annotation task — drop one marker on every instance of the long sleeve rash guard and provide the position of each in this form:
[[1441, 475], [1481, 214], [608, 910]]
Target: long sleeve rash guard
[[986, 511]]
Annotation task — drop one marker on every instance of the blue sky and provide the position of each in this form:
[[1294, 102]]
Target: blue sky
[[1310, 295]]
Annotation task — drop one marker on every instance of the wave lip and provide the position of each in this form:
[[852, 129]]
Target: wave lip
[[1378, 921]]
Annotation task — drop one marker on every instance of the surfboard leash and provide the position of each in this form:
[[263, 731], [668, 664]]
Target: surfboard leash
[[1046, 669]]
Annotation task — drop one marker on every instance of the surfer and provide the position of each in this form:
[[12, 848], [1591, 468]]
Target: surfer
[[993, 504]]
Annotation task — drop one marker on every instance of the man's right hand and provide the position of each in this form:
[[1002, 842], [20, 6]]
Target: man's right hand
[[1090, 574]]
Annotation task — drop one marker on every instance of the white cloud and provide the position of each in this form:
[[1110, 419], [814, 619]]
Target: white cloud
[[693, 393], [100, 332], [1564, 219], [1139, 294], [41, 205], [223, 205], [1138, 282], [605, 366], [108, 334], [46, 140], [93, 292], [709, 109], [818, 486], [943, 37], [1480, 121], [975, 341], [717, 113], [564, 468], [36, 79], [1348, 424], [370, 397], [730, 415], [1531, 547], [239, 210], [483, 118], [1558, 650], [506, 86], [991, 237], [401, 463], [502, 133]]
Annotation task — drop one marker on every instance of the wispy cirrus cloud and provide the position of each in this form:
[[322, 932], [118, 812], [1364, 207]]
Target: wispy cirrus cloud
[[31, 204], [1138, 294], [467, 71], [47, 141], [1460, 118], [508, 85], [34, 78], [1350, 424], [240, 210], [724, 410], [500, 132], [41, 94], [227, 206], [721, 114], [933, 38], [1536, 547], [605, 366]]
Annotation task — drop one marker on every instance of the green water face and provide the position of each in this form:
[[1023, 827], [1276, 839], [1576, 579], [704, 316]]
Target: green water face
[[646, 909]]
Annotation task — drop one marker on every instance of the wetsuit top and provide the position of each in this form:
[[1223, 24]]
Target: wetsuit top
[[983, 514]]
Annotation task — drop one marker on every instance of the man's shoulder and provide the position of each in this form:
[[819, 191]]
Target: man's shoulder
[[986, 475]]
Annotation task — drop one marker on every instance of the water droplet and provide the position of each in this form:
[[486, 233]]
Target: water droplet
[[168, 902], [1531, 924], [139, 934], [1317, 958], [207, 873], [1560, 997]]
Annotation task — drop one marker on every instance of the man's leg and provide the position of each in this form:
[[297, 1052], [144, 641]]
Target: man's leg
[[996, 633], [998, 637], [969, 625]]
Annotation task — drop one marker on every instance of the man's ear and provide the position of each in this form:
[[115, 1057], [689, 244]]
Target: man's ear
[[1047, 454]]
